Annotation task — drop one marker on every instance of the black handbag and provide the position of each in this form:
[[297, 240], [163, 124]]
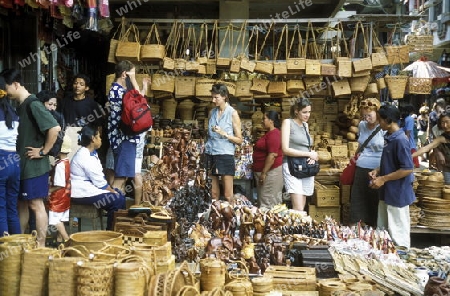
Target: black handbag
[[299, 166]]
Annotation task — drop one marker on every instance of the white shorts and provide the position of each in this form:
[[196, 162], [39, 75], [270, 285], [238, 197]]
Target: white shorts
[[292, 184], [138, 165], [55, 218]]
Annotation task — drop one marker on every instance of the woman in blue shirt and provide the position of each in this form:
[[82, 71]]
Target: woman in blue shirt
[[9, 168]]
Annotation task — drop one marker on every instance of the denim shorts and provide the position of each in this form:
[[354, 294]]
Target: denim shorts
[[221, 165], [34, 188], [125, 159]]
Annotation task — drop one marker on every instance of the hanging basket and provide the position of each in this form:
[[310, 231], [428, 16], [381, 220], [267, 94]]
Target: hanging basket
[[396, 86], [420, 85]]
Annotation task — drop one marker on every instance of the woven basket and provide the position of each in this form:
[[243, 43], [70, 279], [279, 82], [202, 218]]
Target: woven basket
[[420, 43], [371, 90], [203, 87], [379, 59], [178, 278], [396, 86], [186, 109], [231, 86], [61, 275], [248, 65], [131, 277], [397, 54], [153, 52], [95, 278], [276, 88], [259, 85], [129, 50], [381, 83], [212, 274], [163, 82], [184, 86], [420, 85], [169, 107], [188, 291], [341, 88], [11, 264], [344, 67], [295, 85], [313, 67], [96, 240], [243, 89], [112, 50], [34, 275], [328, 69], [264, 67], [359, 84]]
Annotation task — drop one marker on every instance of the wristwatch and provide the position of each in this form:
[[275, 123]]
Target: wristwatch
[[41, 153]]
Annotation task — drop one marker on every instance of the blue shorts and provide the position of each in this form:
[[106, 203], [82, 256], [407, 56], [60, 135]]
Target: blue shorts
[[125, 159], [221, 165], [34, 188]]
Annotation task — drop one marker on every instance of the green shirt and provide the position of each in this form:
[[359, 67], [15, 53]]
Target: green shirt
[[29, 136]]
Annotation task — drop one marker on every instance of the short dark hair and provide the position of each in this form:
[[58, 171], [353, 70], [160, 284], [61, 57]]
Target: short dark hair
[[220, 89], [300, 104], [87, 80], [441, 117], [86, 134], [45, 95], [389, 113], [123, 66], [11, 76]]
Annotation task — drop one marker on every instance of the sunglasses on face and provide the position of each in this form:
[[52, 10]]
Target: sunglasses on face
[[368, 103]]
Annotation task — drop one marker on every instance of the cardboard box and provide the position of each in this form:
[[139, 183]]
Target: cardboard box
[[319, 214], [327, 197]]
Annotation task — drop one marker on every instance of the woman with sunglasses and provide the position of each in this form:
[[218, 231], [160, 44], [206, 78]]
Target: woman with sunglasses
[[442, 142], [364, 200]]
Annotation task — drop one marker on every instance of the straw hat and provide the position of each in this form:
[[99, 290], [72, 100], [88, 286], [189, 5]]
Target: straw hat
[[66, 146]]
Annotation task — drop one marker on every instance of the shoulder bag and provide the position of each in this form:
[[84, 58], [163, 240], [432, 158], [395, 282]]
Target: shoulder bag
[[299, 166], [348, 174]]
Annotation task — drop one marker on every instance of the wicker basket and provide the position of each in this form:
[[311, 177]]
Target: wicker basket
[[396, 86], [11, 264], [259, 85], [129, 50], [96, 240], [212, 274], [359, 84], [131, 277], [184, 86], [420, 85], [420, 43], [34, 275], [203, 87], [169, 107], [397, 54], [95, 278], [61, 275], [163, 82], [153, 52], [186, 109]]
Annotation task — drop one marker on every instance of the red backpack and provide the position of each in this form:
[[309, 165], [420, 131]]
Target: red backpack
[[136, 114]]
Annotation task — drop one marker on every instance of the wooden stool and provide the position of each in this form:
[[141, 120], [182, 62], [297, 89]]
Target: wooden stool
[[85, 211]]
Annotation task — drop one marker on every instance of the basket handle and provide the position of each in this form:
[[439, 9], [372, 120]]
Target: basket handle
[[300, 42], [190, 276], [358, 26], [80, 250], [227, 34], [254, 32], [264, 42], [284, 31], [341, 31], [244, 24], [154, 29]]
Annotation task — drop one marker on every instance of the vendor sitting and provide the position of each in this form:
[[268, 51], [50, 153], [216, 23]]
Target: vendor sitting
[[89, 186]]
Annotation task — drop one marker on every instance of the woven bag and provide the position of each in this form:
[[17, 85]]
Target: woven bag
[[420, 85], [371, 90], [312, 64], [129, 50], [110, 78], [295, 65], [243, 89], [396, 86], [95, 278], [224, 62], [359, 84], [163, 82], [364, 63], [311, 81], [131, 276], [231, 86], [280, 67], [184, 86], [381, 83], [263, 66], [341, 88], [379, 58], [420, 43], [203, 87], [295, 85], [259, 85], [34, 275], [61, 275], [276, 88], [114, 42], [328, 69], [168, 60], [153, 51]]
